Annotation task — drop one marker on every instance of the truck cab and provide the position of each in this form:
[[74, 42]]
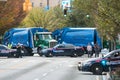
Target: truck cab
[[43, 40]]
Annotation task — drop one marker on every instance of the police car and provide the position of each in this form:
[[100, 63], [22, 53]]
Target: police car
[[63, 50], [99, 65], [6, 52]]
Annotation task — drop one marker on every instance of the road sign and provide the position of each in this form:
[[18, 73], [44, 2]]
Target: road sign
[[66, 3]]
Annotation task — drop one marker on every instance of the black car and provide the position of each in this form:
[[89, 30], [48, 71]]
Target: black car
[[98, 65], [5, 51], [63, 50]]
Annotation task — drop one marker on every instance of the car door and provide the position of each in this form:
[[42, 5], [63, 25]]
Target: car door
[[59, 50], [69, 50], [3, 51], [114, 60]]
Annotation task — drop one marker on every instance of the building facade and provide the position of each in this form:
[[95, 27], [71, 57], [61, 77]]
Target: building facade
[[45, 3]]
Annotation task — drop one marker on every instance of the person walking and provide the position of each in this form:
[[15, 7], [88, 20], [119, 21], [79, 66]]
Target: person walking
[[19, 49], [89, 50], [96, 49]]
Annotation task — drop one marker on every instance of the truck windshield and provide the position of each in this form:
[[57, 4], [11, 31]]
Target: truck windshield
[[47, 36], [44, 36]]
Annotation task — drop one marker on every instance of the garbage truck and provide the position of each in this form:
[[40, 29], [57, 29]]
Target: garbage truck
[[78, 36], [33, 40]]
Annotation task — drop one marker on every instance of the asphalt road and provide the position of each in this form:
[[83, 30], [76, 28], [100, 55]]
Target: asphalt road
[[43, 68]]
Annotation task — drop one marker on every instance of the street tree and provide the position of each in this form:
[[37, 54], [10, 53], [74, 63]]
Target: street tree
[[50, 19], [11, 14], [103, 14]]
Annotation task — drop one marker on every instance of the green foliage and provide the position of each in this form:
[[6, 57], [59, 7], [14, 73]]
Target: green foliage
[[82, 13], [104, 15], [50, 19], [10, 15]]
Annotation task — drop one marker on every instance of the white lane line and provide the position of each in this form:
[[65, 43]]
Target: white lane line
[[45, 74], [36, 79], [51, 70], [71, 65], [2, 61]]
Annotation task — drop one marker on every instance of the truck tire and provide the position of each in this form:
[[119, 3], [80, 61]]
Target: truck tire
[[27, 52], [97, 69], [39, 51]]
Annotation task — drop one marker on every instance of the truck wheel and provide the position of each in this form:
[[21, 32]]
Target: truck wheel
[[39, 54], [97, 69], [39, 51], [25, 52]]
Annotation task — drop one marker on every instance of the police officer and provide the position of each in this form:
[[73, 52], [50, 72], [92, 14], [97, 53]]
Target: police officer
[[97, 50], [19, 49]]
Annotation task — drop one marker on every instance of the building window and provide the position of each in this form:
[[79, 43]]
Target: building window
[[40, 4], [32, 4]]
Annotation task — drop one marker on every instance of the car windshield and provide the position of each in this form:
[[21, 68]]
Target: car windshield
[[59, 46], [111, 53], [108, 54]]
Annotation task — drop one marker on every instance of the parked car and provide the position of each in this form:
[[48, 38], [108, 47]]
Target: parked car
[[63, 50], [5, 51], [104, 51], [99, 65]]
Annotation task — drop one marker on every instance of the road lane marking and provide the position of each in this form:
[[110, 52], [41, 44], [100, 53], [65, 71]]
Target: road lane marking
[[45, 74], [51, 70], [36, 79], [71, 65]]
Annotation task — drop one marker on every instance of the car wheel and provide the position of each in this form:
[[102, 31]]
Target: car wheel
[[97, 69], [74, 54], [49, 54]]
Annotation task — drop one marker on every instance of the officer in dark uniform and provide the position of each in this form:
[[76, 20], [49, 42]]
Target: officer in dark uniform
[[19, 49]]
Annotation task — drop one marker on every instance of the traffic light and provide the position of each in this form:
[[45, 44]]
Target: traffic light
[[65, 12]]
